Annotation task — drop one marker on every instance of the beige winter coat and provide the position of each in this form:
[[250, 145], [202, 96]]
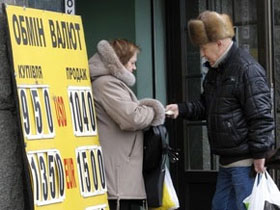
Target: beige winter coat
[[120, 120]]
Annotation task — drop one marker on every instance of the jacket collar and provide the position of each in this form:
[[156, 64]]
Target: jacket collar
[[225, 62], [223, 56], [228, 57]]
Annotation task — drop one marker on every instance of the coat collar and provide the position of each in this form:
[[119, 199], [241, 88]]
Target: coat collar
[[227, 59], [106, 62]]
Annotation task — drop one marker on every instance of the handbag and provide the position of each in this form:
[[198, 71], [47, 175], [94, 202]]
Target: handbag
[[154, 143], [265, 194], [154, 185], [156, 150], [156, 147]]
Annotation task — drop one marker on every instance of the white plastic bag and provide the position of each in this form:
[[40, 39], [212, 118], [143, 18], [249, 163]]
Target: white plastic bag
[[169, 197], [264, 191]]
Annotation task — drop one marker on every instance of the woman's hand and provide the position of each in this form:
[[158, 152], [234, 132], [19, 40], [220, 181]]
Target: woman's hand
[[172, 111]]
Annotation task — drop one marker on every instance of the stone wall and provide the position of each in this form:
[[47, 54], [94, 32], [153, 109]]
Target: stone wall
[[11, 167], [13, 193]]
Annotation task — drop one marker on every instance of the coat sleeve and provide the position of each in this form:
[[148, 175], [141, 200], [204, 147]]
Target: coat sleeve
[[256, 103], [193, 110], [127, 113]]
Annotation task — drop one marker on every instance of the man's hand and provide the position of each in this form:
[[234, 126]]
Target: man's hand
[[259, 165], [172, 111]]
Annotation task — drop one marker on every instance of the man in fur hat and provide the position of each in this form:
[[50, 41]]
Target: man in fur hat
[[236, 103]]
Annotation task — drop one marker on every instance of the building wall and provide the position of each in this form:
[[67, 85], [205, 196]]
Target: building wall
[[11, 168], [139, 21], [103, 20]]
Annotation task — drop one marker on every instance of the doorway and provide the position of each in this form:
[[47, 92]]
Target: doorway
[[195, 175]]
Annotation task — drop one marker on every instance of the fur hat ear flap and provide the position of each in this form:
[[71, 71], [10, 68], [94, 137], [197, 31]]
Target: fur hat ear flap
[[210, 27], [197, 32]]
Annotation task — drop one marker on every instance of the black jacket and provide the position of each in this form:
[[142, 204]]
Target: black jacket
[[236, 103]]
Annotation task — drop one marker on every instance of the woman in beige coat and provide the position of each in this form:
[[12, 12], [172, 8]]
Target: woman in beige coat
[[121, 117]]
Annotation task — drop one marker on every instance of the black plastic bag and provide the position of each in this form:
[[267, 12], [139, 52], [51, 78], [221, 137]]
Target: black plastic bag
[[154, 186], [154, 142], [156, 150]]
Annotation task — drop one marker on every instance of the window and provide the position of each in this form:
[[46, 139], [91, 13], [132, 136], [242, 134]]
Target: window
[[52, 5]]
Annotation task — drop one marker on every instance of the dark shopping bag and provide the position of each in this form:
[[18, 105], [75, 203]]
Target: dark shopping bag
[[156, 150], [154, 186], [154, 141]]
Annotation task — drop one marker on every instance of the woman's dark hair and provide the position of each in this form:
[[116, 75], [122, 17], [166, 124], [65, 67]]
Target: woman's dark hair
[[124, 49]]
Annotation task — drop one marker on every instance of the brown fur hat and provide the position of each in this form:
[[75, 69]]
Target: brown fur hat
[[210, 27]]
